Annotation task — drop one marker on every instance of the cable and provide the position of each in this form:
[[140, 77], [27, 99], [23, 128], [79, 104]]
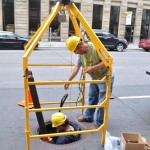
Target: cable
[[80, 89]]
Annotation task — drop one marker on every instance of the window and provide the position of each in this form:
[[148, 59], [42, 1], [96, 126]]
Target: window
[[34, 16], [54, 26], [133, 14], [145, 31], [8, 15], [114, 20], [106, 34], [129, 32], [10, 36], [1, 36], [97, 16], [99, 34]]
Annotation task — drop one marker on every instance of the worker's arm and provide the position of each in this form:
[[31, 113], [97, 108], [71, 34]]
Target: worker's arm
[[99, 66], [72, 75]]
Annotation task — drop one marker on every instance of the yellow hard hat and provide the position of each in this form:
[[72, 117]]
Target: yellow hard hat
[[72, 42], [58, 119]]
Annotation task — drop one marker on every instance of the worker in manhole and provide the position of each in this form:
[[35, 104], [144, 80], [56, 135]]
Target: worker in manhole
[[89, 59], [62, 124]]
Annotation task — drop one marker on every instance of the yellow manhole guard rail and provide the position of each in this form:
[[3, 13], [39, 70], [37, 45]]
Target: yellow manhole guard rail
[[103, 53]]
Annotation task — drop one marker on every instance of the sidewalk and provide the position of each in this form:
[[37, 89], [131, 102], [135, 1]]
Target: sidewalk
[[63, 44], [133, 46], [51, 44]]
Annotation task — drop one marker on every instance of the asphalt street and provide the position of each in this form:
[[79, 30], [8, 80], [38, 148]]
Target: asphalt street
[[128, 111]]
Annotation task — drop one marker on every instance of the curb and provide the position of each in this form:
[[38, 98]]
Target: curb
[[51, 44], [63, 44]]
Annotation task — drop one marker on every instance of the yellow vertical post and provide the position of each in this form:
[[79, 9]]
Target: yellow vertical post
[[74, 22], [27, 122]]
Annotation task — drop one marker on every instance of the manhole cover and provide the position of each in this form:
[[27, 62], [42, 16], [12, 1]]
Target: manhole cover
[[58, 140]]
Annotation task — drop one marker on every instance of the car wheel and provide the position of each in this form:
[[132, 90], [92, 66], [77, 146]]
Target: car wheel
[[119, 47], [148, 50]]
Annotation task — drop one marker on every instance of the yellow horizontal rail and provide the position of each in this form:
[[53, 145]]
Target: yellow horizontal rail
[[67, 133], [55, 65], [102, 105], [65, 82], [66, 102]]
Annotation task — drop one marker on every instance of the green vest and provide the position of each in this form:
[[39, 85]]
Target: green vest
[[91, 59]]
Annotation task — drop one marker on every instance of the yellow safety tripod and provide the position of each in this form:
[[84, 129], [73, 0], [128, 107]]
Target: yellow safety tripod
[[102, 52]]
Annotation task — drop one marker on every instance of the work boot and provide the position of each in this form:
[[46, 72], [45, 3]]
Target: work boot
[[82, 119]]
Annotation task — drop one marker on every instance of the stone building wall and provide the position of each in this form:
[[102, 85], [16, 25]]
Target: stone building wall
[[138, 21], [122, 19], [21, 17], [44, 14], [1, 17], [106, 15]]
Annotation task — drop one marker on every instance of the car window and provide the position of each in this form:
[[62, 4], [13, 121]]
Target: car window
[[1, 36], [99, 34], [106, 34], [10, 36]]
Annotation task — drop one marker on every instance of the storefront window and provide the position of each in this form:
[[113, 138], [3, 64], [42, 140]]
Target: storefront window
[[8, 15], [34, 16], [130, 28], [71, 28], [145, 30], [97, 16], [114, 20], [54, 26]]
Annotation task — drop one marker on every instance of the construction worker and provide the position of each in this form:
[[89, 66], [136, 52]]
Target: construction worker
[[93, 65], [62, 124]]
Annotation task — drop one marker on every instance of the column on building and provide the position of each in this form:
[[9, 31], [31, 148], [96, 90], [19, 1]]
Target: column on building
[[122, 19], [138, 21], [44, 13], [21, 17], [87, 10], [64, 28], [106, 15], [1, 17]]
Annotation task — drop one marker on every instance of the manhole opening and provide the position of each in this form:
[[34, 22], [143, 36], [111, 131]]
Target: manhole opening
[[59, 139]]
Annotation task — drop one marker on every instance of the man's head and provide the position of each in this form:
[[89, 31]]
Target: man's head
[[59, 119], [74, 44]]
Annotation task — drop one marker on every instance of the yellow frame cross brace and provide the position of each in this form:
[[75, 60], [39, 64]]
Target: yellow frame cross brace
[[74, 14]]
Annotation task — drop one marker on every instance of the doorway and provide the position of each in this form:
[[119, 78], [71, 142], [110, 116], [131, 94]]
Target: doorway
[[129, 34]]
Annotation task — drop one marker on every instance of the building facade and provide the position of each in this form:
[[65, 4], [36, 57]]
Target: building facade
[[128, 19]]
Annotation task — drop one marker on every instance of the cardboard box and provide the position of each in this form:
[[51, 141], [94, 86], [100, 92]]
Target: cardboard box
[[132, 141]]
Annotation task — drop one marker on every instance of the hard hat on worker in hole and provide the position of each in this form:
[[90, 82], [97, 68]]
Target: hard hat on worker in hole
[[72, 42], [58, 119]]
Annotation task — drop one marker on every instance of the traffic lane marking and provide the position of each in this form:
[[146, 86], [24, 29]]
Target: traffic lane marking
[[134, 97]]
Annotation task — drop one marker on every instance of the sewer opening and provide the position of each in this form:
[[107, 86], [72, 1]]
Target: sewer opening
[[60, 139]]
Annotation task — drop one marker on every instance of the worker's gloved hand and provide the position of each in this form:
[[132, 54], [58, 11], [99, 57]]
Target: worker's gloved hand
[[50, 139]]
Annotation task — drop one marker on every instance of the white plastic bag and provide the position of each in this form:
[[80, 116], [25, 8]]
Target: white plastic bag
[[111, 142]]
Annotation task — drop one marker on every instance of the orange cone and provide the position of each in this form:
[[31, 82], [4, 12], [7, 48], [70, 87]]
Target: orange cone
[[30, 102]]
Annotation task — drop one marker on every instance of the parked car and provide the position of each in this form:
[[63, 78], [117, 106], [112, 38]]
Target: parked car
[[109, 40], [10, 40], [145, 44]]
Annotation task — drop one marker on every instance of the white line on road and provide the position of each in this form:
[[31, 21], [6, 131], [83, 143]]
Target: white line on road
[[133, 97]]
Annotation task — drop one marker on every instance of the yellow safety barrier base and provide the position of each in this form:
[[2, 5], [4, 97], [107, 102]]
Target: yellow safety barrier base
[[107, 59]]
